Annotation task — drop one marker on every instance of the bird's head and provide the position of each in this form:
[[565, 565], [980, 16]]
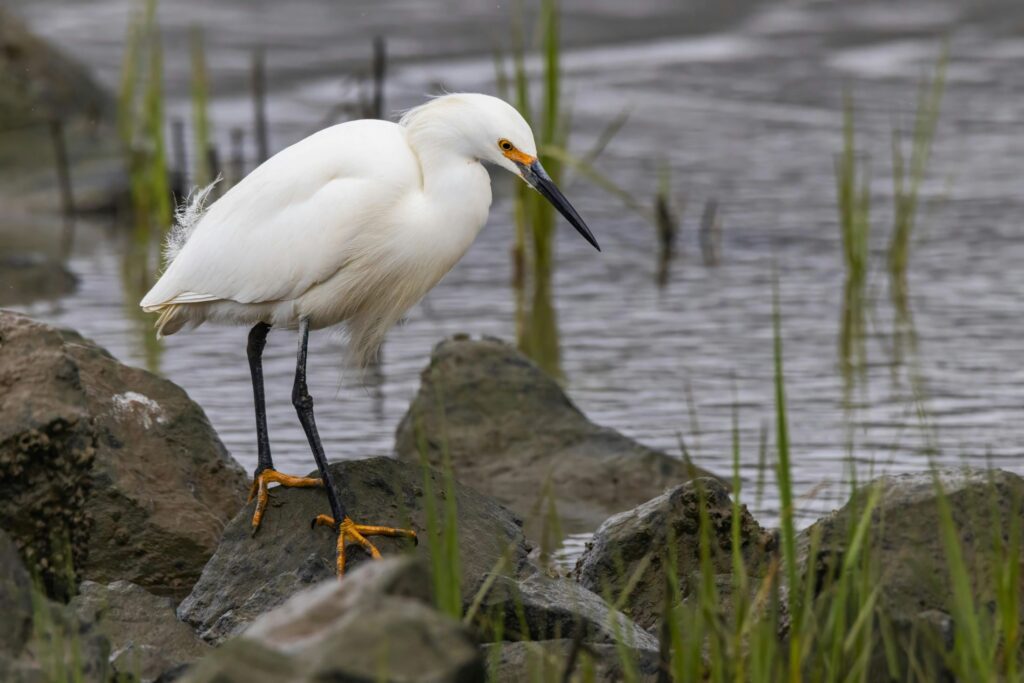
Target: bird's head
[[491, 130]]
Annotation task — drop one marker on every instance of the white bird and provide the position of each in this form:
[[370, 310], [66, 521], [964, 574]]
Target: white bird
[[354, 224]]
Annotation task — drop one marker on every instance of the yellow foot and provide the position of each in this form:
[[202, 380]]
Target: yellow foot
[[262, 495], [357, 533]]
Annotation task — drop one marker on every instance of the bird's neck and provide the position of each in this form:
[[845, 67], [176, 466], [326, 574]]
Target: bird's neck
[[456, 185]]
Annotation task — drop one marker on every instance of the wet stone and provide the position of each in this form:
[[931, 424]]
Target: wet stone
[[546, 660], [554, 608], [250, 575], [146, 638], [511, 430], [105, 467], [638, 540], [905, 540], [376, 625]]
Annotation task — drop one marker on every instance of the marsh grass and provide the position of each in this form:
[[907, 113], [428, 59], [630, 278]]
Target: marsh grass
[[817, 612], [854, 205], [141, 119], [853, 198], [59, 646], [58, 652], [987, 638], [853, 194], [201, 172], [140, 125], [814, 613], [535, 220], [533, 249], [908, 174], [442, 524]]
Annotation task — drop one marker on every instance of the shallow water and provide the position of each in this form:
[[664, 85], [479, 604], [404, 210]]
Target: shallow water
[[749, 115]]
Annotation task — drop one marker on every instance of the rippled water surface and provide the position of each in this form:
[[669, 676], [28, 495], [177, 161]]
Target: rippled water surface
[[745, 109]]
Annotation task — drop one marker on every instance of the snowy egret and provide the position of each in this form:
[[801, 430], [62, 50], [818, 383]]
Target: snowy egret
[[352, 225]]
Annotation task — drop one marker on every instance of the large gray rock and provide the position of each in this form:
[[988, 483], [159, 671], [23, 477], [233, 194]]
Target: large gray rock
[[546, 660], [905, 544], [638, 540], [38, 83], [15, 600], [376, 625], [553, 609], [245, 661], [105, 463], [510, 430], [146, 638], [248, 576]]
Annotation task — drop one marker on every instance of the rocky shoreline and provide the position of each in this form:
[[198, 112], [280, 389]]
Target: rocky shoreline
[[126, 552]]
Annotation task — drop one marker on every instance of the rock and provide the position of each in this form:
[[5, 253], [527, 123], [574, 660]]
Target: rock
[[104, 467], [25, 278], [641, 535], [42, 640], [245, 661], [62, 643], [301, 620], [546, 660], [38, 83], [145, 636], [510, 430], [555, 609], [248, 576], [905, 539], [376, 625], [15, 600]]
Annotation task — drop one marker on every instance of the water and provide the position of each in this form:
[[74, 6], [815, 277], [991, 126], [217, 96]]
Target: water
[[748, 114]]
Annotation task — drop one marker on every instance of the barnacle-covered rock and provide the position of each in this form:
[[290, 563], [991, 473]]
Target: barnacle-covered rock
[[107, 471]]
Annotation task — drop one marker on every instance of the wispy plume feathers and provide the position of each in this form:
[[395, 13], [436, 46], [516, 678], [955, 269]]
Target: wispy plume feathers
[[186, 218]]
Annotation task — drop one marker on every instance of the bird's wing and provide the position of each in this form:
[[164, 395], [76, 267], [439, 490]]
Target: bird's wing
[[284, 228]]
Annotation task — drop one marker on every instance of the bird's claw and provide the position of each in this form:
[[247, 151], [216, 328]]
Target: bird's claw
[[348, 530], [259, 490]]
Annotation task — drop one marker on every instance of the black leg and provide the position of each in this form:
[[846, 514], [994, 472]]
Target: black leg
[[303, 403], [254, 349]]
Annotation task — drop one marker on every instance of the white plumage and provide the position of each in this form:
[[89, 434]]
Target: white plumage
[[353, 224]]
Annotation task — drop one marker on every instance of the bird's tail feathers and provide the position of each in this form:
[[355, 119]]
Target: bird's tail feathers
[[170, 321], [186, 217], [365, 335]]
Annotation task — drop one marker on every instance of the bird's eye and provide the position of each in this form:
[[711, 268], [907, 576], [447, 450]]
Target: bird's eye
[[505, 145]]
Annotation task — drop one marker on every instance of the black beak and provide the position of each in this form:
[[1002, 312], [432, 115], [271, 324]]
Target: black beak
[[538, 178]]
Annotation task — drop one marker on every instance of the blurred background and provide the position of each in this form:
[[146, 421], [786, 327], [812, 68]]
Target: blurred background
[[861, 157]]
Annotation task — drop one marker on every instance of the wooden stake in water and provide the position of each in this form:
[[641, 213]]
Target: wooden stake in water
[[237, 167], [259, 105], [667, 225], [711, 234], [213, 165], [179, 179], [60, 156], [379, 69]]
